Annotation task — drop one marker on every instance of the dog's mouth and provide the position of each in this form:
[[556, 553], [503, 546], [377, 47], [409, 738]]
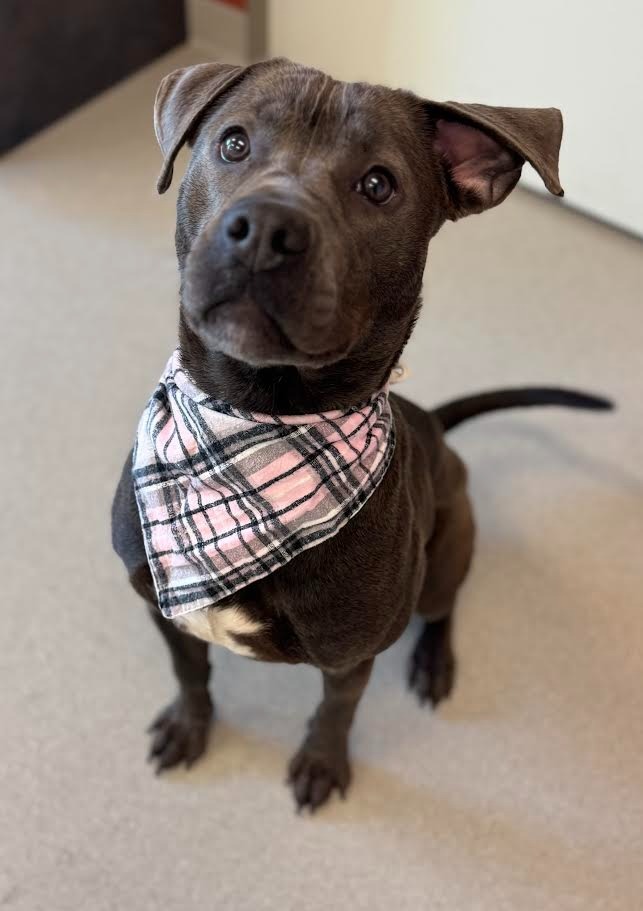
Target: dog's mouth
[[241, 328]]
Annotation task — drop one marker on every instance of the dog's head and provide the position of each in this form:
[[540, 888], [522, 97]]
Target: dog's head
[[305, 214]]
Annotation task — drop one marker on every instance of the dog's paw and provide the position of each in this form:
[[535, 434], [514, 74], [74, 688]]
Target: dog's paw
[[180, 732], [432, 667], [314, 774]]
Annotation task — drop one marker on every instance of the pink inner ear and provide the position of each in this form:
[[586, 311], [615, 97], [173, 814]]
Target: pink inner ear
[[477, 163]]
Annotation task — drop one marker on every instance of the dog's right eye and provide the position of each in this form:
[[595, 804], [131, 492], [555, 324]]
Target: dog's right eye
[[235, 146]]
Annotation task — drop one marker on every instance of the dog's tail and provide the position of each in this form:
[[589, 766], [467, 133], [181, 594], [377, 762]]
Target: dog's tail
[[453, 413]]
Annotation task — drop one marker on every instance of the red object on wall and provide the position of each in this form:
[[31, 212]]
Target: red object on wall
[[241, 4]]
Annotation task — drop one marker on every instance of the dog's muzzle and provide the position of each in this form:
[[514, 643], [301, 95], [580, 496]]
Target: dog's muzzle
[[258, 284]]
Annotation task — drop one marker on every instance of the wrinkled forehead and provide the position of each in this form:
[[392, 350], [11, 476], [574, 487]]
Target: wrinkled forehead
[[300, 104]]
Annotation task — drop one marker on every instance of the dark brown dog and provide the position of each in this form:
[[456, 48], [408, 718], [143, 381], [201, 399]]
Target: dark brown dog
[[302, 231]]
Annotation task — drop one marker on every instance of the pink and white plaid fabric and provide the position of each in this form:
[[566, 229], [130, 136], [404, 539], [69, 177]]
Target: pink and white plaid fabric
[[226, 497]]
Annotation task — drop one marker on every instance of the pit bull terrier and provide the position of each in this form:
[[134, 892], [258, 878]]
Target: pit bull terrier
[[280, 500]]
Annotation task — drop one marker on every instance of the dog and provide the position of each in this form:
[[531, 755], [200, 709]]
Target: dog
[[303, 222]]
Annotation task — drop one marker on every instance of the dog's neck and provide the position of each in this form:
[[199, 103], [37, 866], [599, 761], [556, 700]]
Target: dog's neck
[[294, 390]]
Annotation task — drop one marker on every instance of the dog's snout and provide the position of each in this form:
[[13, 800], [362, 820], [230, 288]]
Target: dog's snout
[[265, 234]]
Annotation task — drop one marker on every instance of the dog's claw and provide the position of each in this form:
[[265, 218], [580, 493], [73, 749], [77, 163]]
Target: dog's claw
[[314, 776], [180, 733]]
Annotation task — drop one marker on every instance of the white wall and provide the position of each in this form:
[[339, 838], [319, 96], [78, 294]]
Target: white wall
[[580, 55], [345, 37]]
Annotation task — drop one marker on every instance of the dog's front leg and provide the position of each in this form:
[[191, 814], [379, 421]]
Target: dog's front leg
[[321, 763], [180, 732]]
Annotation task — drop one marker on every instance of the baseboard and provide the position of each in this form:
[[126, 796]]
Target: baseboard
[[578, 209], [219, 30]]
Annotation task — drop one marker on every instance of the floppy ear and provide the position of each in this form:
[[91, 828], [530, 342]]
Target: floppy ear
[[182, 99], [482, 150]]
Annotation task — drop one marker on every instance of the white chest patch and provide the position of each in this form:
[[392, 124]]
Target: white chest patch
[[220, 625]]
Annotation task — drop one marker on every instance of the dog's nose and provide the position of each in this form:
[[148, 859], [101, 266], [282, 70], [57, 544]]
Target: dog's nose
[[265, 234]]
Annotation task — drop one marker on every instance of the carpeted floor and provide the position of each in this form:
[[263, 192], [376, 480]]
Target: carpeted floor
[[525, 792]]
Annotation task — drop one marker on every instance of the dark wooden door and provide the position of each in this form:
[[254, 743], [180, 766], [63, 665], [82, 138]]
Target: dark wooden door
[[56, 54]]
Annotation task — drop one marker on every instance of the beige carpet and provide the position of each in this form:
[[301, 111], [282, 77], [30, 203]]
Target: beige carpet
[[525, 792]]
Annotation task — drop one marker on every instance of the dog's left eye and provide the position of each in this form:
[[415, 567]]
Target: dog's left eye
[[235, 146], [378, 186]]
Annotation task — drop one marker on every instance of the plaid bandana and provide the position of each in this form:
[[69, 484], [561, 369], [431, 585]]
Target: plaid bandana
[[227, 497]]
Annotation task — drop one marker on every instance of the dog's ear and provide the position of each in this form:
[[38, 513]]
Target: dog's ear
[[482, 150], [182, 99]]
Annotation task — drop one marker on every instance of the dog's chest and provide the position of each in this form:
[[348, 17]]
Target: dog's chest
[[230, 626]]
